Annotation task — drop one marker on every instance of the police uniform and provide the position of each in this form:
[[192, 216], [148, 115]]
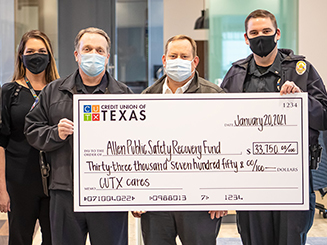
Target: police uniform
[[280, 227]]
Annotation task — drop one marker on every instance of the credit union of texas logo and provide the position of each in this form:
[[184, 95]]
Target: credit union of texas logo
[[105, 112], [91, 112]]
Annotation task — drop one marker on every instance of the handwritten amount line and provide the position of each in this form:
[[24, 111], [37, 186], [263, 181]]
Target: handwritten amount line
[[177, 171], [181, 155]]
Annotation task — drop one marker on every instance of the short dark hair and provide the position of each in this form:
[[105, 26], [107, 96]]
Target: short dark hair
[[182, 37], [93, 30], [260, 13]]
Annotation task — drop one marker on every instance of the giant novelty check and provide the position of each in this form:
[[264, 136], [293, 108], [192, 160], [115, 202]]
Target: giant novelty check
[[191, 152]]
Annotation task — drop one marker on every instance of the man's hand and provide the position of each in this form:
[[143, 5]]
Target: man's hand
[[65, 128], [289, 87], [217, 214], [4, 202], [137, 214]]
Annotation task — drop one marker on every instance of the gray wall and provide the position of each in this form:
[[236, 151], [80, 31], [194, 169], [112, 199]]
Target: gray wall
[[7, 40], [75, 15]]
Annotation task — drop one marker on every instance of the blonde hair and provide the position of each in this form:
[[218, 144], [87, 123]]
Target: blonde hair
[[51, 72]]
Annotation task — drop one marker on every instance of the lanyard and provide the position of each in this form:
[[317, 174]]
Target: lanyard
[[32, 90]]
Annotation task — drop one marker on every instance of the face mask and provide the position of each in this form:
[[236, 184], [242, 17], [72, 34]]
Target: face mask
[[92, 64], [36, 63], [262, 45], [178, 69]]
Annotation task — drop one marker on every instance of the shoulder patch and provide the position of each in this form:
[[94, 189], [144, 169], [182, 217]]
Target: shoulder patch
[[301, 67]]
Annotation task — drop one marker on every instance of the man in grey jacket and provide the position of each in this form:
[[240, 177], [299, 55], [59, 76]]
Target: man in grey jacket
[[49, 127], [196, 227]]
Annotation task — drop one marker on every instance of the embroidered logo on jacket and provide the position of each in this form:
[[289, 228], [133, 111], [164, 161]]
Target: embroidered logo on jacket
[[300, 68]]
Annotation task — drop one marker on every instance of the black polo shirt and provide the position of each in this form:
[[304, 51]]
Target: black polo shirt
[[260, 79], [98, 89]]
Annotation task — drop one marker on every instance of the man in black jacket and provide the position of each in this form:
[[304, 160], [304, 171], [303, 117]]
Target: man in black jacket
[[270, 69], [192, 227], [49, 127]]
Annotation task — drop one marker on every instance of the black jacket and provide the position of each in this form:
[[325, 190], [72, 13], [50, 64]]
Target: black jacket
[[41, 126], [309, 81]]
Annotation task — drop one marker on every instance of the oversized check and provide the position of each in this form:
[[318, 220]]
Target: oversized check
[[191, 152]]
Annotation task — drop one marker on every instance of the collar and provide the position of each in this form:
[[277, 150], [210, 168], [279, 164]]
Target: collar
[[113, 87], [101, 87], [180, 90], [275, 68], [286, 54]]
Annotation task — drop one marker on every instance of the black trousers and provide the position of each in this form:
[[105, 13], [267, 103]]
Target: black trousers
[[71, 228], [276, 227], [193, 228], [27, 204]]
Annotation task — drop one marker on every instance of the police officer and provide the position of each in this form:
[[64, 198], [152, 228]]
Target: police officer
[[269, 69]]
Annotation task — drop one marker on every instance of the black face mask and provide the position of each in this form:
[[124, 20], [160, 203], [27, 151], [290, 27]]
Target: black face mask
[[36, 63], [262, 45]]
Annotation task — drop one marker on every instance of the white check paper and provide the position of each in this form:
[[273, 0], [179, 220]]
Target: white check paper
[[191, 152]]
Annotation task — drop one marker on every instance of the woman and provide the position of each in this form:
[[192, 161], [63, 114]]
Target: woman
[[20, 174]]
